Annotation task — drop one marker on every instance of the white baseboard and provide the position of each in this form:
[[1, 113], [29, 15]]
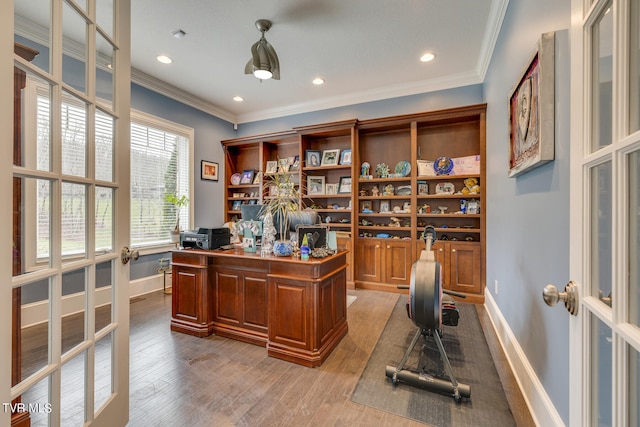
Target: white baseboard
[[38, 312], [541, 407]]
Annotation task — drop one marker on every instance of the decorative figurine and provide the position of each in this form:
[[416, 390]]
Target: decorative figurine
[[375, 191], [363, 192], [382, 170], [364, 169], [471, 186], [389, 190]]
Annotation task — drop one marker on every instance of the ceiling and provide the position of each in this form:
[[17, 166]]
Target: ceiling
[[365, 50]]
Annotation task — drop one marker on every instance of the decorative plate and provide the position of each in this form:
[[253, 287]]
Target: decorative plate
[[235, 179], [403, 168], [443, 165]]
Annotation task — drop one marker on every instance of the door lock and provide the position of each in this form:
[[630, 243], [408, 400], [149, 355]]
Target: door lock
[[126, 254], [551, 296]]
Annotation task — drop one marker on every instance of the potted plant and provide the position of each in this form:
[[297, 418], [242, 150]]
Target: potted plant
[[281, 200], [178, 202]]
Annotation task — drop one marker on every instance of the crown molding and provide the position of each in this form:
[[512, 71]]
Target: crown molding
[[494, 23], [145, 80], [378, 94]]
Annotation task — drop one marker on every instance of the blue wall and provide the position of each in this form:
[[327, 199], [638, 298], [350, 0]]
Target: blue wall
[[528, 216]]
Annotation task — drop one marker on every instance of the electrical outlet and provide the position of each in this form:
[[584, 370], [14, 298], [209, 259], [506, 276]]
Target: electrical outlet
[[495, 287]]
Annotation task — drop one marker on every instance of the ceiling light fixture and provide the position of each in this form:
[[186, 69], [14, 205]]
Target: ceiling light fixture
[[164, 59], [318, 81], [427, 57], [178, 34], [238, 98], [264, 62]]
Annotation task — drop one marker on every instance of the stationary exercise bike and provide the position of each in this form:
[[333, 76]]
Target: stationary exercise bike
[[429, 309]]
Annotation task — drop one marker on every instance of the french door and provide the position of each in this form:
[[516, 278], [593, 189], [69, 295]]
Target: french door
[[64, 289], [605, 212]]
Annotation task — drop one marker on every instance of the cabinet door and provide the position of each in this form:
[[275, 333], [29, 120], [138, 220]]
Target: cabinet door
[[345, 243], [368, 260], [464, 273], [397, 261], [441, 252], [187, 283]]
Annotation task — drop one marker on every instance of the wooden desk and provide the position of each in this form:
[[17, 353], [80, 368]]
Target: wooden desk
[[296, 309]]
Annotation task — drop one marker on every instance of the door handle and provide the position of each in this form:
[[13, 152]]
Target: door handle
[[126, 254], [551, 296]]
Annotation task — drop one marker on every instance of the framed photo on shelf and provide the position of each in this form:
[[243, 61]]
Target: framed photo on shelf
[[247, 176], [345, 184], [531, 104], [294, 163], [384, 206], [365, 206], [331, 188], [315, 185], [209, 170], [330, 157], [283, 165], [272, 166], [345, 157], [312, 158], [236, 205], [256, 178]]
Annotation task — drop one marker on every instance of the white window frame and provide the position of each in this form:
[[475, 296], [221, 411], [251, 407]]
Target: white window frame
[[32, 88], [145, 119]]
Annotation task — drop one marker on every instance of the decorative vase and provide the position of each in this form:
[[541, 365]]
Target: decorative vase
[[282, 248], [175, 236]]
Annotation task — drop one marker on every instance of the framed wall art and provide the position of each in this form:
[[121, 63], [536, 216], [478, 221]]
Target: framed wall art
[[209, 170], [344, 185], [532, 111]]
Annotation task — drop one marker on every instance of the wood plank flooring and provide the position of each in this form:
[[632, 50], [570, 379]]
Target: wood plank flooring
[[180, 380]]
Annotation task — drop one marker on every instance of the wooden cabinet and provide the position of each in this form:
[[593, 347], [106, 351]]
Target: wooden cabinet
[[383, 263], [386, 199], [191, 290], [462, 267]]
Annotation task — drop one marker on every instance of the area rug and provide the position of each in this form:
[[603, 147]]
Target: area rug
[[471, 363]]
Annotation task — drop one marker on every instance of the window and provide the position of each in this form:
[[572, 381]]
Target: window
[[161, 155], [161, 159]]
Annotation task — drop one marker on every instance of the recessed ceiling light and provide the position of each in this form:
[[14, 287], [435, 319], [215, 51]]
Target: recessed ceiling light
[[318, 81], [178, 34], [164, 59], [238, 98], [427, 57]]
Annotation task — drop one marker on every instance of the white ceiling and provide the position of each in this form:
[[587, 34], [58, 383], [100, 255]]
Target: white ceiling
[[365, 50]]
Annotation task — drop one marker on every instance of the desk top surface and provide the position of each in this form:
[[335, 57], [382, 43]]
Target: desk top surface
[[238, 252]]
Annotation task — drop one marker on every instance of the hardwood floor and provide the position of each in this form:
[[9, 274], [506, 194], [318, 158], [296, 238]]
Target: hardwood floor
[[181, 380]]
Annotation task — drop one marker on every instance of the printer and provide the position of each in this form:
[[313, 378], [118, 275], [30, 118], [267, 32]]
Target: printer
[[205, 238]]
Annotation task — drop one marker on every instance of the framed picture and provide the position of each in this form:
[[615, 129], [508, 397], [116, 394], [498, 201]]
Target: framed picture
[[330, 157], [256, 178], [272, 166], [283, 165], [365, 206], [209, 170], [247, 176], [531, 111], [345, 157], [331, 188], [345, 184], [425, 168], [316, 235], [236, 205], [312, 158], [295, 164], [315, 185], [384, 206]]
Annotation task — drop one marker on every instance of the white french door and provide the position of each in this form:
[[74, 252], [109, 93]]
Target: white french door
[[65, 290], [605, 212]]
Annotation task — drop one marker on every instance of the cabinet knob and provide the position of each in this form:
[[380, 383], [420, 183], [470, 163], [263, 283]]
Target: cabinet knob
[[440, 250], [377, 246], [388, 247], [453, 250]]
